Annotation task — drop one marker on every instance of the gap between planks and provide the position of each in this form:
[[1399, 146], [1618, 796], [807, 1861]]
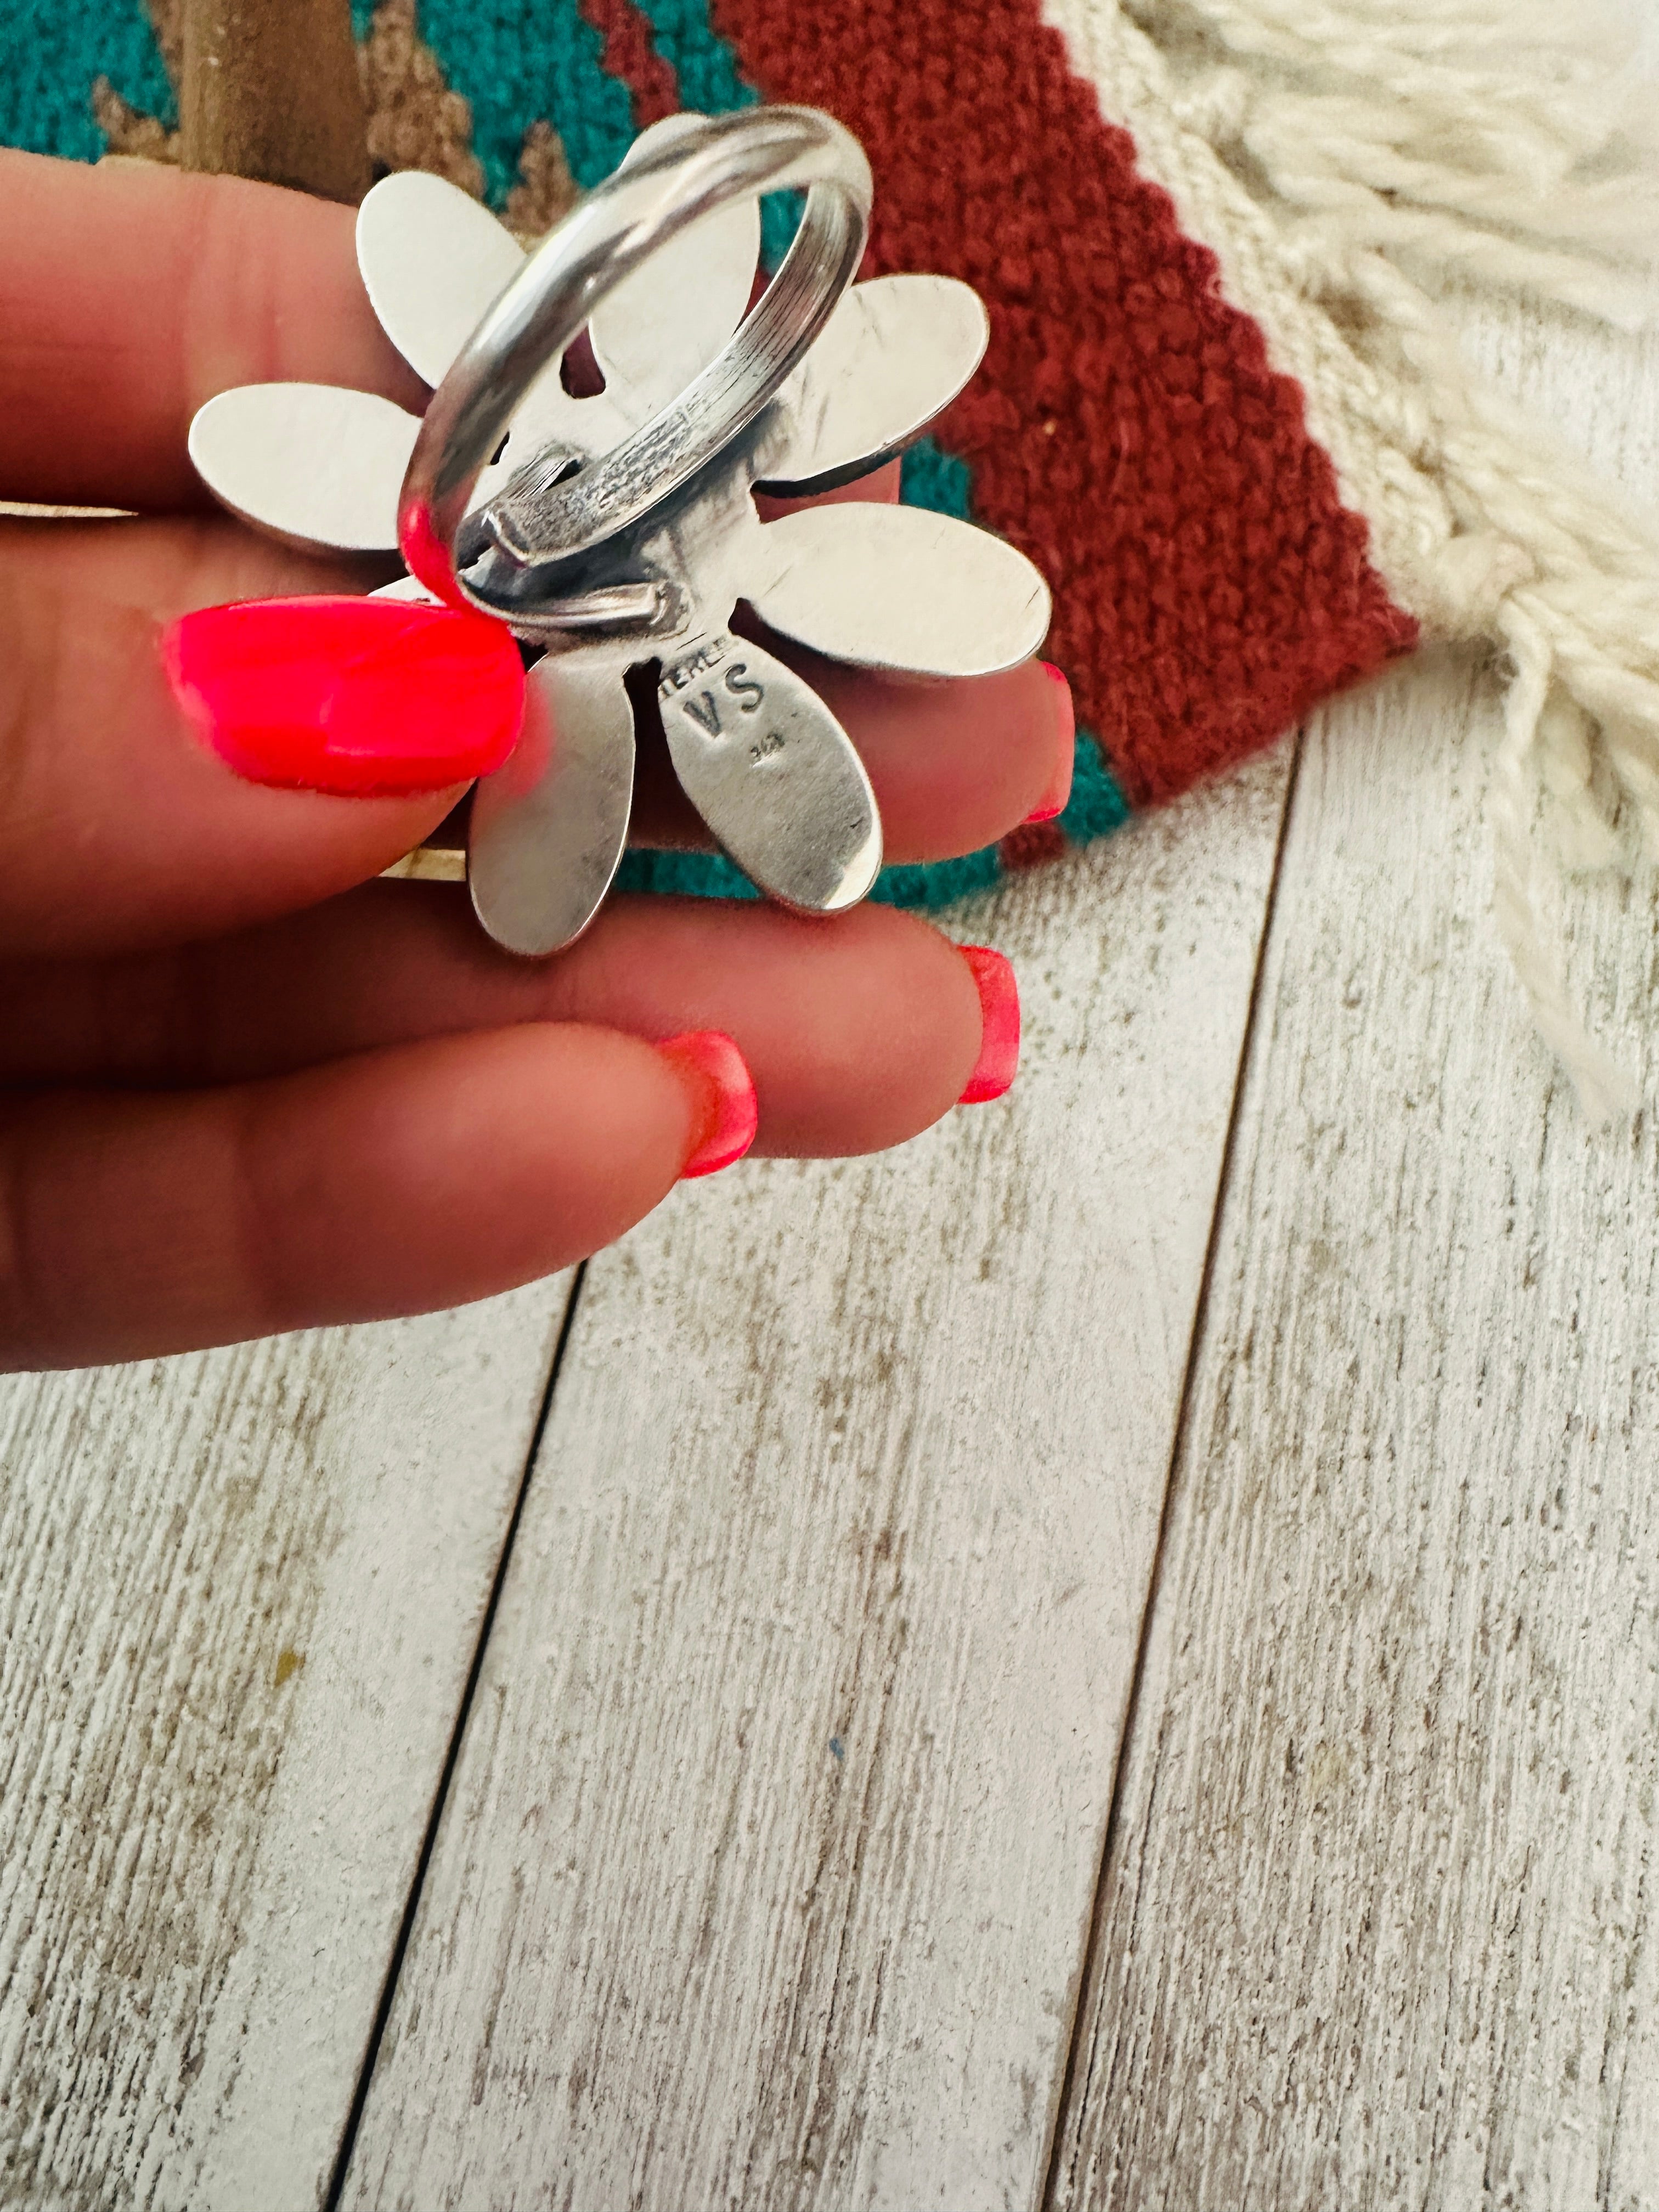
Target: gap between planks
[[240, 1592], [1064, 2087], [440, 1795], [1378, 1922], [834, 1567]]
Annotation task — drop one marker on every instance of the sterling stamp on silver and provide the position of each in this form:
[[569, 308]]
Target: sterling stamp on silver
[[620, 529]]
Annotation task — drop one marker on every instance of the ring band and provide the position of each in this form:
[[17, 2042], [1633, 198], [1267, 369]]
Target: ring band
[[614, 231]]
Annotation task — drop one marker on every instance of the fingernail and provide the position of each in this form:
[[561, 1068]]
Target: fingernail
[[358, 697], [1052, 801], [727, 1093], [998, 1042]]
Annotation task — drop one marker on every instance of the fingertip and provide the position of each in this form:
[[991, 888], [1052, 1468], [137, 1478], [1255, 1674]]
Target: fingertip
[[349, 697], [1065, 711], [723, 1098], [956, 765], [1054, 800], [998, 1063], [868, 1036]]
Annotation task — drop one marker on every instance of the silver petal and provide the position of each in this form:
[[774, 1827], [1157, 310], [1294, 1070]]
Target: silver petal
[[900, 588], [315, 464], [772, 773], [667, 323], [548, 829], [432, 260], [893, 355]]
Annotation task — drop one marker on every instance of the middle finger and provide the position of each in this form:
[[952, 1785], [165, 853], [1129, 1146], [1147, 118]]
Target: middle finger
[[191, 849]]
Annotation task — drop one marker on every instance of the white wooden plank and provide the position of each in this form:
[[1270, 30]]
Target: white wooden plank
[[238, 1597], [765, 1872], [1378, 1921]]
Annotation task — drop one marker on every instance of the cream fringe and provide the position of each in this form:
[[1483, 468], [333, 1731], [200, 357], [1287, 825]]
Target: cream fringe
[[1341, 160]]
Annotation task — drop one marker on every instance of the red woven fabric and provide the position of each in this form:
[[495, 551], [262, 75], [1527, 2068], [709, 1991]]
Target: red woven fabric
[[1125, 431]]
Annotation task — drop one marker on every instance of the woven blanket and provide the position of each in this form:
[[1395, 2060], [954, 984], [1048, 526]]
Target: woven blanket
[[1218, 410]]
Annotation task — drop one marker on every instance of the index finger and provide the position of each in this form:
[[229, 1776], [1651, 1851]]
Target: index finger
[[129, 294]]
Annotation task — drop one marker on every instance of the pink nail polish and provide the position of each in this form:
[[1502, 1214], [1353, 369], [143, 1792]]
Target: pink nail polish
[[356, 697], [1052, 801], [999, 1044], [731, 1114]]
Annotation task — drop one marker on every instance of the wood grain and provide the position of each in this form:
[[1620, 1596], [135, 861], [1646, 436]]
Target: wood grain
[[239, 1596], [1378, 1923], [764, 1876]]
